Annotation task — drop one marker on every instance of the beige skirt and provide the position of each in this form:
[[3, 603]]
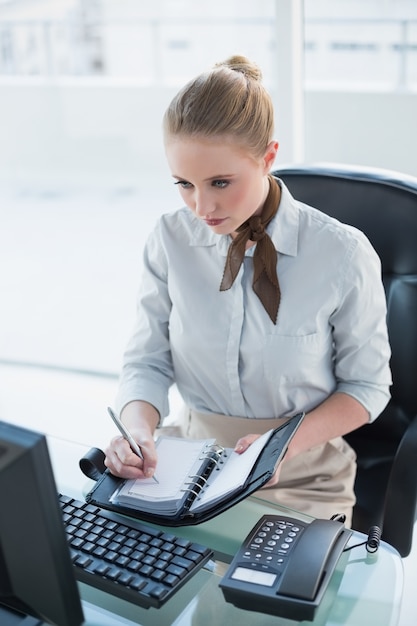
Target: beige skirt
[[318, 482]]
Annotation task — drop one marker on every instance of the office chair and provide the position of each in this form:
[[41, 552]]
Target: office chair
[[383, 204]]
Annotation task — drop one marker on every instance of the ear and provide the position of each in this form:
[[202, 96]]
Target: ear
[[270, 155]]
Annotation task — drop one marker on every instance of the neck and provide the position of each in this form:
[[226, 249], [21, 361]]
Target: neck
[[258, 211]]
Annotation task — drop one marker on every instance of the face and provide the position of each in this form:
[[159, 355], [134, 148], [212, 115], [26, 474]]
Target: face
[[219, 181]]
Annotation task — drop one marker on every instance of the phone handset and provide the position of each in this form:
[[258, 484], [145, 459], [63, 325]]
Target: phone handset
[[308, 561]]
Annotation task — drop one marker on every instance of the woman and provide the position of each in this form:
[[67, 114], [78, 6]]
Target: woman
[[256, 305]]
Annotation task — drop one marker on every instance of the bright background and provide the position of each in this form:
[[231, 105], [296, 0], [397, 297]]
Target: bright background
[[83, 86]]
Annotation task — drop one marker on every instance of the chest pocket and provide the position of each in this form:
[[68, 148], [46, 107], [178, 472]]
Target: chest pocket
[[296, 358]]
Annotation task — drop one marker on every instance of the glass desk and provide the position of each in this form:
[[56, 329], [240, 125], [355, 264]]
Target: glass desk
[[365, 590]]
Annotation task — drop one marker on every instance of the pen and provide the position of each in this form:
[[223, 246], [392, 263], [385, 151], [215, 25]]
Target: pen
[[126, 435]]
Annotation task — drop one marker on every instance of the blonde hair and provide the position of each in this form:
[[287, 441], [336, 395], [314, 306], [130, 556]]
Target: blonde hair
[[227, 101]]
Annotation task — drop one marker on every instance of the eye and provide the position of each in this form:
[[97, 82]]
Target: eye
[[220, 184], [183, 184]]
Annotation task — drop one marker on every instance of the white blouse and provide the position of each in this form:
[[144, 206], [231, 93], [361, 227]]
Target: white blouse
[[221, 348]]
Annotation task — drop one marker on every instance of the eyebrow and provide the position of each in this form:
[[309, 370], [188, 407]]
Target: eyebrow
[[220, 176], [216, 177]]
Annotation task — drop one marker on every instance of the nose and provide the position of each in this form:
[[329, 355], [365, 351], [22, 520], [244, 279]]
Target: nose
[[203, 204]]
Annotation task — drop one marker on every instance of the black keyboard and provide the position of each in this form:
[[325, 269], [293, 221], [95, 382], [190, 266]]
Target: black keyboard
[[127, 558]]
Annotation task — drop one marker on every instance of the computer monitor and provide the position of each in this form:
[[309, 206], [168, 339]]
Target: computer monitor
[[37, 583]]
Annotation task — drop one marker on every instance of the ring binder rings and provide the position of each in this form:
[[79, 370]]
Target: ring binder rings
[[198, 479], [196, 484], [213, 449]]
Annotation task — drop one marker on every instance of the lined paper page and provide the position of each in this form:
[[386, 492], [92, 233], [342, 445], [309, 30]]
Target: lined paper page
[[233, 474], [178, 459]]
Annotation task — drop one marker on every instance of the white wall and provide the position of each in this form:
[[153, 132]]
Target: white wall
[[105, 132], [94, 132], [375, 129]]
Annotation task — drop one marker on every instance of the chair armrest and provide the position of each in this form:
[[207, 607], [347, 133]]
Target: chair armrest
[[401, 494]]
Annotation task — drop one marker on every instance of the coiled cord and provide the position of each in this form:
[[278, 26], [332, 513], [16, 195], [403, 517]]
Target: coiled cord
[[374, 539], [372, 542]]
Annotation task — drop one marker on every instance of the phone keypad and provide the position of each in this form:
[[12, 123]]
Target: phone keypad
[[271, 542]]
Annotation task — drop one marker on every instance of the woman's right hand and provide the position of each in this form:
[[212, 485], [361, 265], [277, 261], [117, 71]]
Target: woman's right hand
[[140, 419]]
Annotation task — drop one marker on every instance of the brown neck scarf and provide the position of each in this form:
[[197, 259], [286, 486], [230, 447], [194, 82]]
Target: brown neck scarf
[[265, 280]]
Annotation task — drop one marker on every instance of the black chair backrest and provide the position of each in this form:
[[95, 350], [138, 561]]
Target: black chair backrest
[[383, 204]]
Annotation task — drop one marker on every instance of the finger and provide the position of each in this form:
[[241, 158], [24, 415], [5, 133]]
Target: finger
[[148, 451], [121, 461], [124, 452], [122, 471], [119, 469], [244, 442]]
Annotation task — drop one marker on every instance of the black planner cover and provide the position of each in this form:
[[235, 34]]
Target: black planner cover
[[107, 485]]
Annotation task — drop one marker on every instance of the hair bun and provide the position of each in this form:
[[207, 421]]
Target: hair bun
[[242, 64]]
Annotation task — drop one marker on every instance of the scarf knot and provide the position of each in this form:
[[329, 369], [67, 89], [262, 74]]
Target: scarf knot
[[256, 228], [265, 280]]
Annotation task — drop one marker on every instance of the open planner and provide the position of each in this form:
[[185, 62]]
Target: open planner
[[197, 479]]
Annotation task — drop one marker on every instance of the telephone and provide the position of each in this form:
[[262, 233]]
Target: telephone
[[284, 566]]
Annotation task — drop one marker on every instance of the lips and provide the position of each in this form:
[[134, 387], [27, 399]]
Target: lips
[[214, 222]]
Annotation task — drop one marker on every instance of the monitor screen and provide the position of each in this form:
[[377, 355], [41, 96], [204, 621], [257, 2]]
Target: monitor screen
[[36, 575]]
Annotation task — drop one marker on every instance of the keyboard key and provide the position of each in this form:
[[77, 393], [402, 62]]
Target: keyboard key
[[128, 558]]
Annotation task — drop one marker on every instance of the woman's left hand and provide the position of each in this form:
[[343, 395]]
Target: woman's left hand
[[243, 444]]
